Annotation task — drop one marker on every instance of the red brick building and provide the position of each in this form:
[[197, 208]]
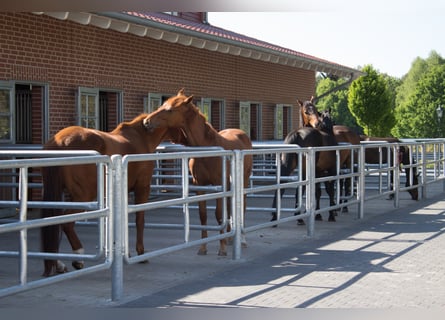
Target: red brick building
[[98, 69]]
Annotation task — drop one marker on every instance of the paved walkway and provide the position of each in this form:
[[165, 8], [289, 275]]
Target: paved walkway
[[394, 259], [390, 259]]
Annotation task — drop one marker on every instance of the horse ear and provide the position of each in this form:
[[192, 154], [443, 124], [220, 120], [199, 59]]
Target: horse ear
[[181, 92], [312, 99], [300, 102], [188, 100]]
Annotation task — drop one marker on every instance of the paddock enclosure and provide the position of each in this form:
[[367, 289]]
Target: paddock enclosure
[[171, 211]]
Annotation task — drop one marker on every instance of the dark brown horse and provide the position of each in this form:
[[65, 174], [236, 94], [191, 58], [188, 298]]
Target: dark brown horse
[[80, 181], [180, 112], [344, 134], [372, 155], [325, 160]]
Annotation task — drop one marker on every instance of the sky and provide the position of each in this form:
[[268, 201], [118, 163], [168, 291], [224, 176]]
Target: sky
[[389, 37]]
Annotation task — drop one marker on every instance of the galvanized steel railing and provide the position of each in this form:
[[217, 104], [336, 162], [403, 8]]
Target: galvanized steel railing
[[99, 209], [114, 207]]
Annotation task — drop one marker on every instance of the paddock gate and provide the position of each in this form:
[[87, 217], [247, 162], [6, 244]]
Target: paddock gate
[[171, 210]]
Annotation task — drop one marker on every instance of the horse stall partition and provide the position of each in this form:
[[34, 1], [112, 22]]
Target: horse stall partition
[[268, 181], [26, 225], [380, 161], [430, 158], [171, 210]]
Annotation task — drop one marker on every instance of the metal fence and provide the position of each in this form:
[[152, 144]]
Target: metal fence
[[174, 199], [28, 221]]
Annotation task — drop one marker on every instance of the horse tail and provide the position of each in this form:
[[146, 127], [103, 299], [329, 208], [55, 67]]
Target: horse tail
[[289, 159], [288, 163], [50, 235]]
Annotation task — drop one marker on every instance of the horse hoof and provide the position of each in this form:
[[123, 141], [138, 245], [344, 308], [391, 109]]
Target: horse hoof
[[301, 222], [202, 252], [144, 262], [61, 270], [318, 217], [222, 253], [48, 274], [345, 210], [77, 265], [331, 219]]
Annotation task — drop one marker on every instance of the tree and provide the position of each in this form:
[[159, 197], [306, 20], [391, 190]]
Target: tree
[[418, 69], [404, 110], [369, 101], [417, 117]]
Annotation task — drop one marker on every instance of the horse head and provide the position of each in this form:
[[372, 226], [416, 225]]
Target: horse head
[[172, 114], [326, 123], [309, 114]]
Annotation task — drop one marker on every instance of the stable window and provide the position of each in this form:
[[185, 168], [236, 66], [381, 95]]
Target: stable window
[[99, 108], [153, 101], [23, 112], [6, 114], [244, 116], [213, 110], [278, 132], [251, 119], [88, 107], [283, 121]]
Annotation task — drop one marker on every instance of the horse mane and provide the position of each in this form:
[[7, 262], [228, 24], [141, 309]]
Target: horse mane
[[131, 123], [210, 131]]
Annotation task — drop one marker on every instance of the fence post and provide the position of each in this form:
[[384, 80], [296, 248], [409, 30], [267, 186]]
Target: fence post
[[361, 182], [238, 193], [424, 173], [117, 268], [310, 190], [396, 175]]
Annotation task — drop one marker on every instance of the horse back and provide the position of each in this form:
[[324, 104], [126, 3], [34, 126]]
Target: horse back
[[76, 138], [305, 137], [237, 139], [234, 139], [346, 134]]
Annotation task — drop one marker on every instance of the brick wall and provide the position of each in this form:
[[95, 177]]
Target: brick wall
[[67, 55]]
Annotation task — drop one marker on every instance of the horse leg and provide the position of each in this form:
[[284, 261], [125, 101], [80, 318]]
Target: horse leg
[[243, 237], [274, 203], [51, 238], [300, 222], [329, 185], [76, 245], [140, 223], [345, 190], [203, 218], [218, 215], [141, 195], [318, 216]]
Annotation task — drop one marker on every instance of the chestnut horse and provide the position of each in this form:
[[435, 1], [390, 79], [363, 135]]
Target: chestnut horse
[[372, 156], [80, 181], [310, 116], [325, 160], [180, 112]]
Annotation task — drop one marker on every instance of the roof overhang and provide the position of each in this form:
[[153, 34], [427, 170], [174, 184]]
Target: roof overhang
[[125, 23]]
